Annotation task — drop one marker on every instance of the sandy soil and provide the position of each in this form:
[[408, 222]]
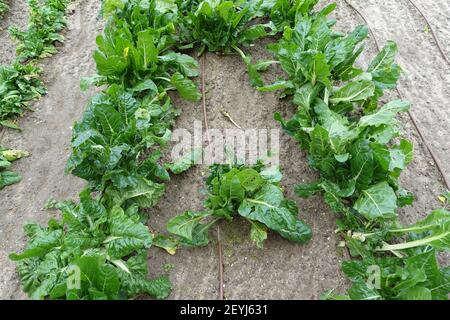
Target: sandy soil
[[282, 270]]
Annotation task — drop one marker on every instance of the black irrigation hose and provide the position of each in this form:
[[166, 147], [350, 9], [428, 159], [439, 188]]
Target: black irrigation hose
[[432, 33], [411, 116]]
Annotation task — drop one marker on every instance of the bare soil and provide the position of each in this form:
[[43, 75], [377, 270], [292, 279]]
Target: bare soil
[[281, 270]]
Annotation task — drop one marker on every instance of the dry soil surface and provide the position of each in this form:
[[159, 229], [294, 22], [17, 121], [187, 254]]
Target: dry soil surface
[[281, 270]]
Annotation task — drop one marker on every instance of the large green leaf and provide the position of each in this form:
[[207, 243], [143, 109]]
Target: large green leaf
[[386, 115], [185, 224], [353, 92], [187, 89], [143, 192], [385, 72], [267, 208], [187, 65], [377, 202], [126, 235], [110, 66], [97, 278]]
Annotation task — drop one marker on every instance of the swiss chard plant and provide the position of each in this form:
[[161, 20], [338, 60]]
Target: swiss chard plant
[[19, 84], [225, 27], [252, 193], [110, 141], [349, 139], [136, 51], [94, 252], [402, 259], [47, 19], [221, 26]]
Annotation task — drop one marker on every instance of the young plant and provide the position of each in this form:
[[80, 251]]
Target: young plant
[[253, 193], [350, 151], [136, 52], [221, 26], [418, 277], [47, 19], [19, 84], [386, 266], [109, 143]]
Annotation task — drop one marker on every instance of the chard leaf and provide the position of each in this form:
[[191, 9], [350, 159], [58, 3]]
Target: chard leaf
[[187, 65], [125, 235], [166, 243], [315, 68], [362, 163], [110, 66], [306, 190], [8, 178], [393, 158], [334, 194], [186, 88], [98, 280], [435, 230], [306, 95], [136, 282], [145, 85], [267, 208], [42, 242], [146, 48], [416, 293], [360, 291], [386, 115], [353, 92], [278, 85], [109, 118], [377, 202], [141, 191], [185, 224], [385, 73]]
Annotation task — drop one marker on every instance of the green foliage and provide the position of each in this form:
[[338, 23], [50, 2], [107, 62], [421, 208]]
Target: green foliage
[[355, 154], [46, 20], [93, 252], [3, 7], [185, 162], [115, 131], [412, 272], [7, 156], [116, 148], [353, 143], [253, 193], [221, 25], [135, 51], [418, 277], [19, 84]]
